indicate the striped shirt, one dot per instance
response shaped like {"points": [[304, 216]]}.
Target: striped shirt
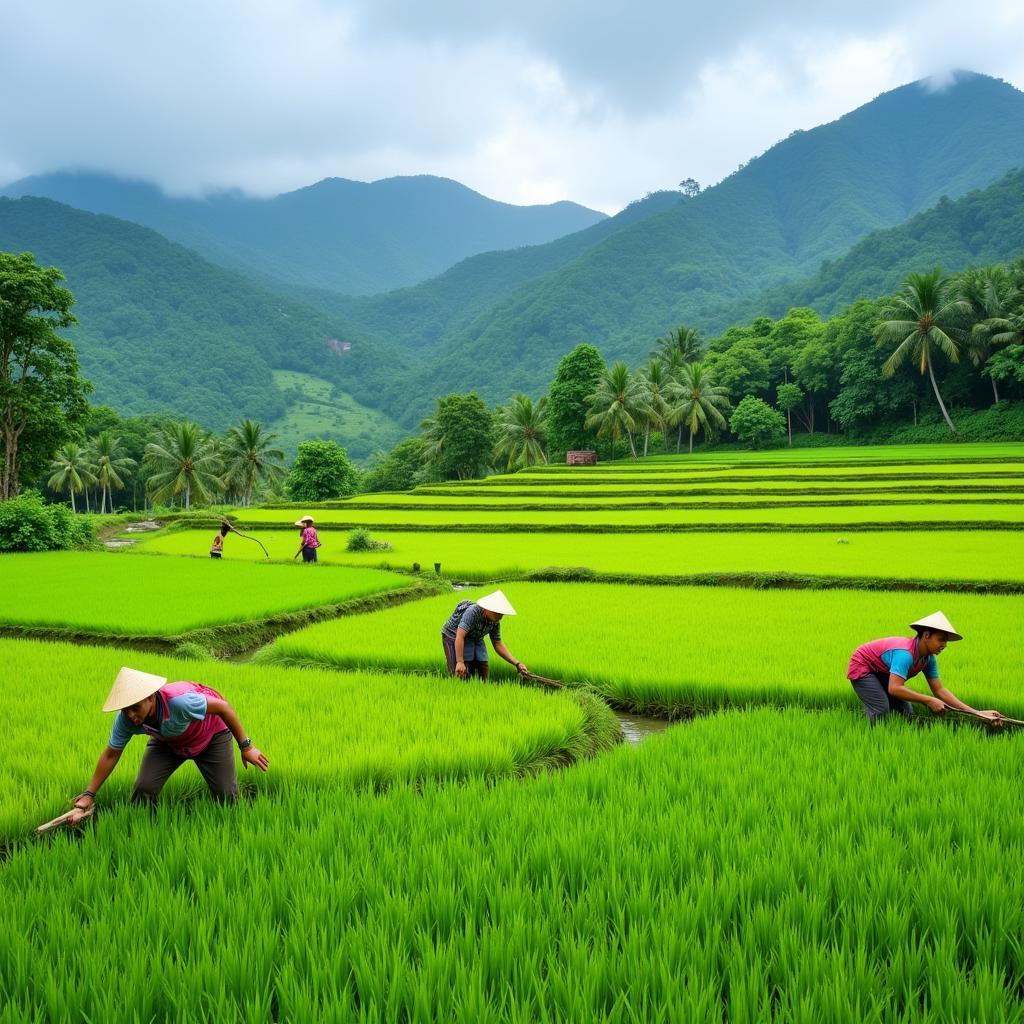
{"points": [[470, 616]]}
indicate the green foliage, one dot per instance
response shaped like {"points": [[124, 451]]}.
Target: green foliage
{"points": [[520, 432], [756, 423], [27, 523], [42, 395], [184, 462], [321, 470], [575, 379], [458, 439], [360, 540], [398, 470]]}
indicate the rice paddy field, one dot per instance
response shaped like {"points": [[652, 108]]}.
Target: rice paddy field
{"points": [[426, 849]]}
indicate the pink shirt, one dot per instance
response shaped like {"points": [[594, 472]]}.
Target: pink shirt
{"points": [[309, 538]]}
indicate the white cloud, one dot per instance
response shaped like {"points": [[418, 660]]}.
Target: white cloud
{"points": [[527, 103]]}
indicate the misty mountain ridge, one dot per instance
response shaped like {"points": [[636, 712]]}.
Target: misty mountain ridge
{"points": [[347, 236]]}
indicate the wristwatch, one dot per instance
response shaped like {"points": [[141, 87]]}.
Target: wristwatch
{"points": [[245, 744]]}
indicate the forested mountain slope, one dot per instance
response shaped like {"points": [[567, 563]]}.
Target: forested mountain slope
{"points": [[808, 199], [162, 330], [985, 226], [350, 236]]}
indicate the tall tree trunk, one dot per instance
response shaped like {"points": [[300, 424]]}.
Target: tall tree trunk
{"points": [[632, 447], [188, 496], [995, 391], [647, 435], [789, 423], [691, 442], [938, 398], [73, 509], [679, 437]]}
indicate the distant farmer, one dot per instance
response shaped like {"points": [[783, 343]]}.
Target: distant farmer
{"points": [[185, 722], [217, 547], [462, 636], [879, 671], [309, 541]]}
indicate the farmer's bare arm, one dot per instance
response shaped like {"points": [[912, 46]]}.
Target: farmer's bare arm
{"points": [[504, 652], [460, 652], [104, 766], [898, 688], [219, 706], [950, 698]]}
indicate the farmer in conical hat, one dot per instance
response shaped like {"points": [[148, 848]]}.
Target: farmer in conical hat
{"points": [[185, 722], [462, 636], [879, 671], [309, 541]]}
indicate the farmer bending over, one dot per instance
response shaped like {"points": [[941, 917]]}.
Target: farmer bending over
{"points": [[309, 541], [185, 722], [462, 636], [217, 545], [879, 671]]}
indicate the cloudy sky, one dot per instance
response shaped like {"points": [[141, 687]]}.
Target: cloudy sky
{"points": [[527, 102]]}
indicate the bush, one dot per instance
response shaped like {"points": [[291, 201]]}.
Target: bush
{"points": [[360, 540], [27, 523]]}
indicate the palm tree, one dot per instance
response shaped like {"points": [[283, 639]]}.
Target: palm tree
{"points": [[698, 401], [995, 304], [72, 471], [521, 432], [615, 404], [250, 459], [680, 346], [111, 462], [924, 321], [656, 381], [183, 460]]}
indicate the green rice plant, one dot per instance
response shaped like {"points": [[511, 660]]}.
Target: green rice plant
{"points": [[748, 866], [672, 650], [97, 592], [953, 556], [319, 729]]}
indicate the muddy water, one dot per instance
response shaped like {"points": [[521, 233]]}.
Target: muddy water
{"points": [[636, 728]]}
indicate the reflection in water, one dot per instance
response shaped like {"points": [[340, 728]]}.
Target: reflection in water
{"points": [[636, 728]]}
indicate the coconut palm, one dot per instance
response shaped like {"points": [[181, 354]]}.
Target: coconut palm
{"points": [[72, 471], [615, 405], [183, 461], [521, 432], [657, 382], [110, 465], [680, 346], [992, 300], [249, 459], [924, 321], [697, 401]]}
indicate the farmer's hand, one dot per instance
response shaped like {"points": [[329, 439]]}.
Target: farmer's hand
{"points": [[992, 717], [460, 669], [82, 806], [936, 706], [522, 669], [255, 756]]}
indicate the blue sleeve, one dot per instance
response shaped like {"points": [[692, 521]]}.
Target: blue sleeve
{"points": [[899, 662], [122, 732], [469, 617], [931, 668], [496, 634], [187, 707]]}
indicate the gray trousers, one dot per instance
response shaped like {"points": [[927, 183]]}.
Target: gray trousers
{"points": [[874, 695], [216, 764]]}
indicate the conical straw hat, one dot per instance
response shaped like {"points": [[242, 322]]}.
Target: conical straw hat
{"points": [[303, 520], [937, 621], [496, 602], [131, 686]]}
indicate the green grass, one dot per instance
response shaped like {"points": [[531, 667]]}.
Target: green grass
{"points": [[949, 555], [668, 650], [747, 867], [99, 592], [321, 730], [883, 514]]}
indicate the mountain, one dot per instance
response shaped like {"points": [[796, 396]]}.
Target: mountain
{"points": [[985, 226], [806, 200], [348, 236], [163, 330]]}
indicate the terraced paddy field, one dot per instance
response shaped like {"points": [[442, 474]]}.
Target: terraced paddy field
{"points": [[751, 866], [424, 849], [103, 593], [954, 558], [675, 650]]}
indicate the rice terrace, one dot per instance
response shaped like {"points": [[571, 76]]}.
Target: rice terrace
{"points": [[511, 515]]}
